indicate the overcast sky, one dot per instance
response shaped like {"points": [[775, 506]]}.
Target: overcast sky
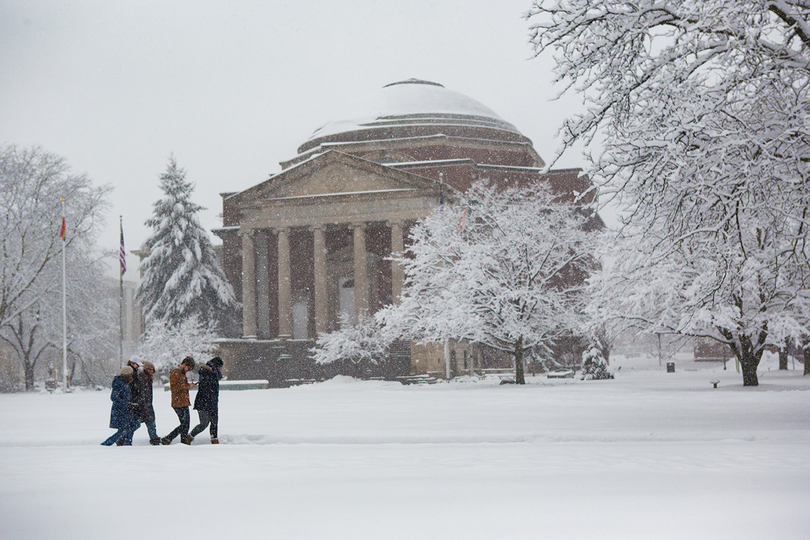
{"points": [[232, 88]]}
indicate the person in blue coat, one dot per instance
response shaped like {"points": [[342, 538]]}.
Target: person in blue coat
{"points": [[122, 415], [207, 401]]}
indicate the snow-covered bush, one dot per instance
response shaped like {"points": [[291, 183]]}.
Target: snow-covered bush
{"points": [[359, 345], [594, 365], [165, 346]]}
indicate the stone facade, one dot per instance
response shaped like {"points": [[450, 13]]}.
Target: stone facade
{"points": [[308, 249]]}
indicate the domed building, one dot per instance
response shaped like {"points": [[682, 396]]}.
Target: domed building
{"points": [[307, 250]]}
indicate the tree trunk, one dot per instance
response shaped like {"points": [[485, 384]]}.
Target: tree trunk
{"points": [[807, 360], [29, 376], [748, 353], [783, 356], [749, 364], [519, 376]]}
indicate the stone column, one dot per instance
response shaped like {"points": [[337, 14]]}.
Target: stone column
{"points": [[319, 260], [397, 271], [361, 304], [284, 285], [248, 285], [262, 283]]}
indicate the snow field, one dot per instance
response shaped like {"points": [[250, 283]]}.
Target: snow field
{"points": [[647, 455]]}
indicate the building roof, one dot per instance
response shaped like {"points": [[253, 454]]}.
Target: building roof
{"points": [[414, 107]]}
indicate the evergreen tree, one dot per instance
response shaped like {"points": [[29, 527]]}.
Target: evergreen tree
{"points": [[182, 278], [594, 365]]}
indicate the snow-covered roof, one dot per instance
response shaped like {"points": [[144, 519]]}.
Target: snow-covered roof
{"points": [[413, 102]]}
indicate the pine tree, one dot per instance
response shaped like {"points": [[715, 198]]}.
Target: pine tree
{"points": [[182, 279]]}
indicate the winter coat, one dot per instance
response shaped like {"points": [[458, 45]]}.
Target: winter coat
{"points": [[121, 415], [179, 386], [136, 391], [208, 389], [146, 413]]}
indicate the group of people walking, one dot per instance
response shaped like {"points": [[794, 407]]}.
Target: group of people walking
{"points": [[132, 401]]}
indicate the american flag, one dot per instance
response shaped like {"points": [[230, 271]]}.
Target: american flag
{"points": [[63, 229], [122, 254]]}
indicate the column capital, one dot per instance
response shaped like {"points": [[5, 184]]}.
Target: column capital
{"points": [[395, 223], [360, 225], [247, 232], [277, 230], [317, 227]]}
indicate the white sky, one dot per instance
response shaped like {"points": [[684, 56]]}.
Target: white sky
{"points": [[232, 88]]}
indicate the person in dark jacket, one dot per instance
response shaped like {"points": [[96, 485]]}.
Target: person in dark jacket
{"points": [[146, 413], [133, 387], [207, 401], [122, 417]]}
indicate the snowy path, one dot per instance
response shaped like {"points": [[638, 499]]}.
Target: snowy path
{"points": [[649, 455]]}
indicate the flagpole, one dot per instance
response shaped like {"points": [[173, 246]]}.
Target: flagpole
{"points": [[64, 303], [441, 191], [121, 295]]}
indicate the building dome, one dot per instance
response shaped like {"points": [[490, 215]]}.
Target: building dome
{"points": [[413, 108]]}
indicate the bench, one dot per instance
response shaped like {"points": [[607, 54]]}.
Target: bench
{"points": [[298, 382], [561, 374], [258, 384], [417, 379], [715, 383]]}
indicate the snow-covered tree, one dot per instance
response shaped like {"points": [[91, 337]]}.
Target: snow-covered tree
{"points": [[503, 267], [357, 345], [166, 346], [182, 278], [36, 333], [702, 111], [33, 183], [594, 365], [92, 318]]}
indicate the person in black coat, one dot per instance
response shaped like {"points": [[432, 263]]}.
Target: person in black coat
{"points": [[207, 401], [146, 412], [122, 416]]}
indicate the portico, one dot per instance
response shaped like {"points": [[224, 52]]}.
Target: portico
{"points": [[315, 253]]}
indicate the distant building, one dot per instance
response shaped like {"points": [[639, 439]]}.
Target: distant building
{"points": [[308, 247]]}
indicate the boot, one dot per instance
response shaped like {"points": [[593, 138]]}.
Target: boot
{"points": [[154, 442], [165, 440], [214, 441], [188, 440], [119, 442]]}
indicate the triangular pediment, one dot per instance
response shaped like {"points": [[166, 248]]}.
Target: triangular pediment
{"points": [[334, 174]]}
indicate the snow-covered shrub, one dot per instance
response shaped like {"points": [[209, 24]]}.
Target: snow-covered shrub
{"points": [[166, 346], [594, 365], [358, 346]]}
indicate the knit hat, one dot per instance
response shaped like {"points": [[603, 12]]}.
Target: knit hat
{"points": [[216, 362], [148, 365], [126, 371]]}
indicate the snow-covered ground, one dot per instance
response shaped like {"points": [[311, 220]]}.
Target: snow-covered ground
{"points": [[650, 455]]}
